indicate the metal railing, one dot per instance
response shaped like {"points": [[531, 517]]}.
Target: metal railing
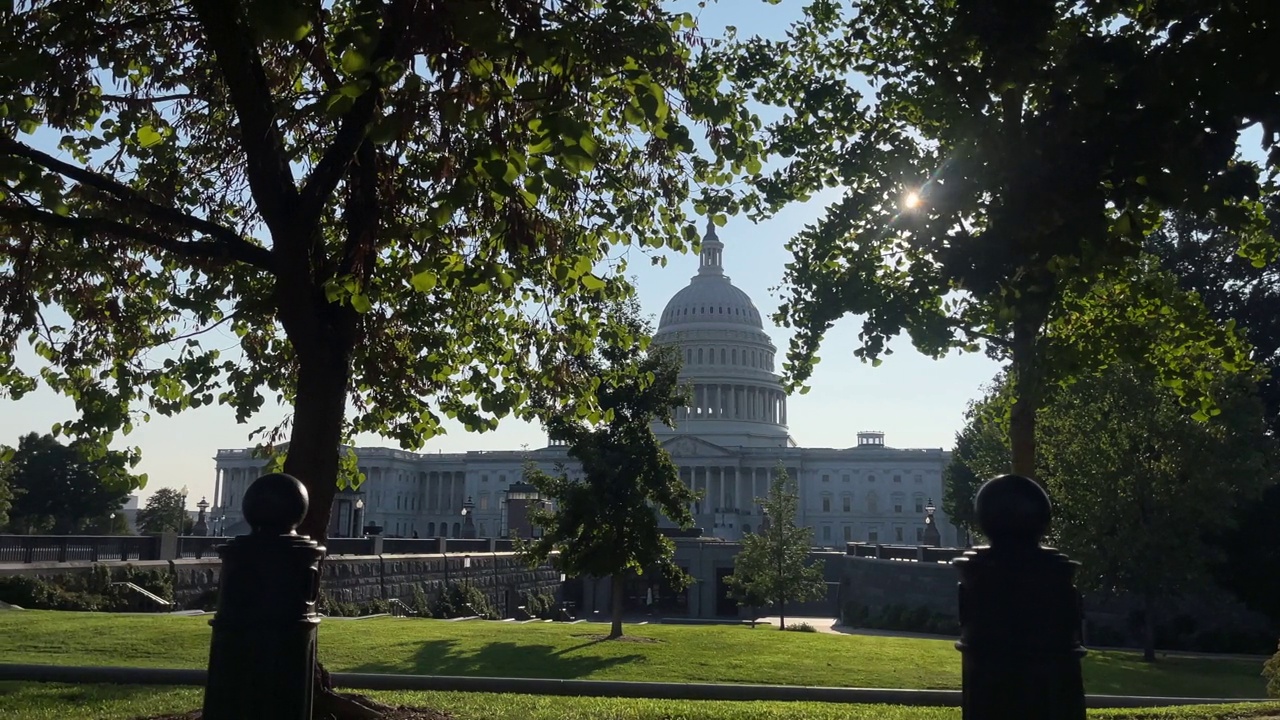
{"points": [[78, 548], [22, 549], [903, 553]]}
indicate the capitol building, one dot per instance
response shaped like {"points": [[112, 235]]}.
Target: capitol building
{"points": [[726, 444]]}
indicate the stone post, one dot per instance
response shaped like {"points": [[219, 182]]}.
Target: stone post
{"points": [[262, 656], [1019, 613]]}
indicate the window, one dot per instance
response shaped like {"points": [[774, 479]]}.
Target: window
{"points": [[897, 507], [431, 529], [457, 530], [484, 501], [484, 478], [848, 533], [873, 535], [502, 479], [919, 534], [919, 505], [721, 356], [897, 534], [826, 504], [897, 478], [397, 502], [872, 504], [919, 479], [871, 478], [826, 532], [845, 478], [826, 478], [482, 531], [734, 355], [846, 503], [746, 529]]}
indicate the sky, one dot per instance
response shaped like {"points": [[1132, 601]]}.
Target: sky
{"points": [[914, 400]]}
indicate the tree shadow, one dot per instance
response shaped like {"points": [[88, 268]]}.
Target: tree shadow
{"points": [[501, 659]]}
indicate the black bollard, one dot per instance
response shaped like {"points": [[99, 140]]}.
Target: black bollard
{"points": [[1020, 613], [262, 657]]}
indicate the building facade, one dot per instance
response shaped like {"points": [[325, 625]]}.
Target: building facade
{"points": [[726, 444]]}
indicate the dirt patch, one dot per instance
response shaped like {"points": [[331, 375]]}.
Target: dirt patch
{"points": [[624, 638]]}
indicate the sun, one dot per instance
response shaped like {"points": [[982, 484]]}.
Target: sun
{"points": [[911, 200]]}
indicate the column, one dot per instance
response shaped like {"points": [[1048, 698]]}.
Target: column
{"points": [[699, 401], [733, 402]]}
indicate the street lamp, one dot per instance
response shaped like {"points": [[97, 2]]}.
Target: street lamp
{"points": [[932, 538], [468, 518], [201, 527], [182, 519], [356, 518]]}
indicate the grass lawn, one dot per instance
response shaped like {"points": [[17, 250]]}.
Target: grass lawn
{"points": [[678, 653], [112, 702]]}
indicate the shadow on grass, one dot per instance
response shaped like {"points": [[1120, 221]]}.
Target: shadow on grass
{"points": [[77, 694], [1122, 673], [502, 659]]}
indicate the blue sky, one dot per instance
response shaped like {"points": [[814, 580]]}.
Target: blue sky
{"points": [[916, 401]]}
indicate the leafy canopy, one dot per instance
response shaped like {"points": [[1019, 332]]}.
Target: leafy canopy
{"points": [[773, 565], [391, 211], [61, 488], [1009, 155], [165, 511]]}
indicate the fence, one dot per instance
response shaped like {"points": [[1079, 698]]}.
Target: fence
{"points": [[903, 553], [18, 549], [84, 548]]}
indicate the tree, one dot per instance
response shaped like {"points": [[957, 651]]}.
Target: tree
{"points": [[1001, 181], [62, 488], [773, 564], [403, 208], [605, 523], [981, 452], [6, 492], [165, 511], [1139, 487]]}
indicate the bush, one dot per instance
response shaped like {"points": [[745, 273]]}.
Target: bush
{"points": [[92, 591], [801, 627], [900, 618], [540, 604], [418, 601], [462, 600], [1271, 671]]}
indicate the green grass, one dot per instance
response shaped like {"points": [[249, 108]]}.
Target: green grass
{"points": [[20, 701], [681, 654]]}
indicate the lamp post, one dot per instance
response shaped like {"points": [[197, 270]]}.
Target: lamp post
{"points": [[468, 519], [357, 530], [932, 538], [201, 526], [182, 519]]}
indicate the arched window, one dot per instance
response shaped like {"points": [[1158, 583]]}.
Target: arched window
{"points": [[734, 355], [826, 504], [482, 531], [699, 356], [872, 503], [721, 356], [457, 530], [431, 529]]}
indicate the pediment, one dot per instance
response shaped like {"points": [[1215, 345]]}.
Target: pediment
{"points": [[690, 446]]}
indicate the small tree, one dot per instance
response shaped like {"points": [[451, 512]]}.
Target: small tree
{"points": [[981, 452], [6, 492], [772, 565], [164, 511], [605, 523]]}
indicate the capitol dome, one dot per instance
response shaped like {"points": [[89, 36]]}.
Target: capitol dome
{"points": [[738, 400]]}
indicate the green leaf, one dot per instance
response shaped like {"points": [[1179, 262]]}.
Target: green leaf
{"points": [[593, 283], [361, 303], [424, 281], [148, 136], [353, 62]]}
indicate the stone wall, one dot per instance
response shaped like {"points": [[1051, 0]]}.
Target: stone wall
{"points": [[350, 578]]}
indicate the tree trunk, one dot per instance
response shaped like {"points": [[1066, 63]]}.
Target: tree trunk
{"points": [[316, 438], [1149, 628], [782, 613], [619, 587]]}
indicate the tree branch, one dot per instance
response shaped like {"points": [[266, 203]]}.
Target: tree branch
{"points": [[195, 249], [237, 246], [270, 179], [333, 165]]}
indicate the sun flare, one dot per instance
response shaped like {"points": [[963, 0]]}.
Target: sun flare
{"points": [[911, 200]]}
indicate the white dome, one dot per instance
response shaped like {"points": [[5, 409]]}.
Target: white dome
{"points": [[728, 359]]}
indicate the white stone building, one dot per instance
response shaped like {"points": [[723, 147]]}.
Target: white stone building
{"points": [[726, 444]]}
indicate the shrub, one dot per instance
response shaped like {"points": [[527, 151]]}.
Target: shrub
{"points": [[421, 606], [92, 591], [801, 627], [1271, 671], [462, 600]]}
